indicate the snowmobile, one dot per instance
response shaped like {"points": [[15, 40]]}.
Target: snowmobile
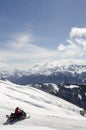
{"points": [[13, 118]]}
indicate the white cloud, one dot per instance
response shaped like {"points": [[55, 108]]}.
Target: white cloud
{"points": [[20, 41], [61, 47], [81, 42], [77, 32], [22, 47], [75, 46], [21, 52]]}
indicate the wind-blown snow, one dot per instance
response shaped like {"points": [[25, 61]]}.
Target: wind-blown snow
{"points": [[47, 112]]}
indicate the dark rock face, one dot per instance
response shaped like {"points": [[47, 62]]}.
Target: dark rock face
{"points": [[57, 78], [75, 95]]}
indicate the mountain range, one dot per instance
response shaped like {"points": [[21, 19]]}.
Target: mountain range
{"points": [[48, 73]]}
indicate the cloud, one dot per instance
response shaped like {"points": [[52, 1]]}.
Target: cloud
{"points": [[78, 32], [20, 51], [20, 41], [22, 46], [75, 46]]}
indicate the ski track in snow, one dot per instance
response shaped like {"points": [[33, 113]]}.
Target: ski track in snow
{"points": [[47, 112]]}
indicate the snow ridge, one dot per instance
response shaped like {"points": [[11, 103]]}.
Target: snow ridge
{"points": [[47, 112]]}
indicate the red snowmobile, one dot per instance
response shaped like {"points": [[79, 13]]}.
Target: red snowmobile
{"points": [[15, 117]]}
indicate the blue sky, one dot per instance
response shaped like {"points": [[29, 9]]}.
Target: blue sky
{"points": [[34, 31]]}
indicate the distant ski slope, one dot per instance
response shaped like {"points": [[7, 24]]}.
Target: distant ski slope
{"points": [[47, 111]]}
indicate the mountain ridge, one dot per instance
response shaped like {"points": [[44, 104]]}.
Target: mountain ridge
{"points": [[47, 73]]}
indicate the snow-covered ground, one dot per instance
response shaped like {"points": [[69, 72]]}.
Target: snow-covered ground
{"points": [[47, 112]]}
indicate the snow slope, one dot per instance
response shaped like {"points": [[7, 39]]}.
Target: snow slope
{"points": [[47, 112]]}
